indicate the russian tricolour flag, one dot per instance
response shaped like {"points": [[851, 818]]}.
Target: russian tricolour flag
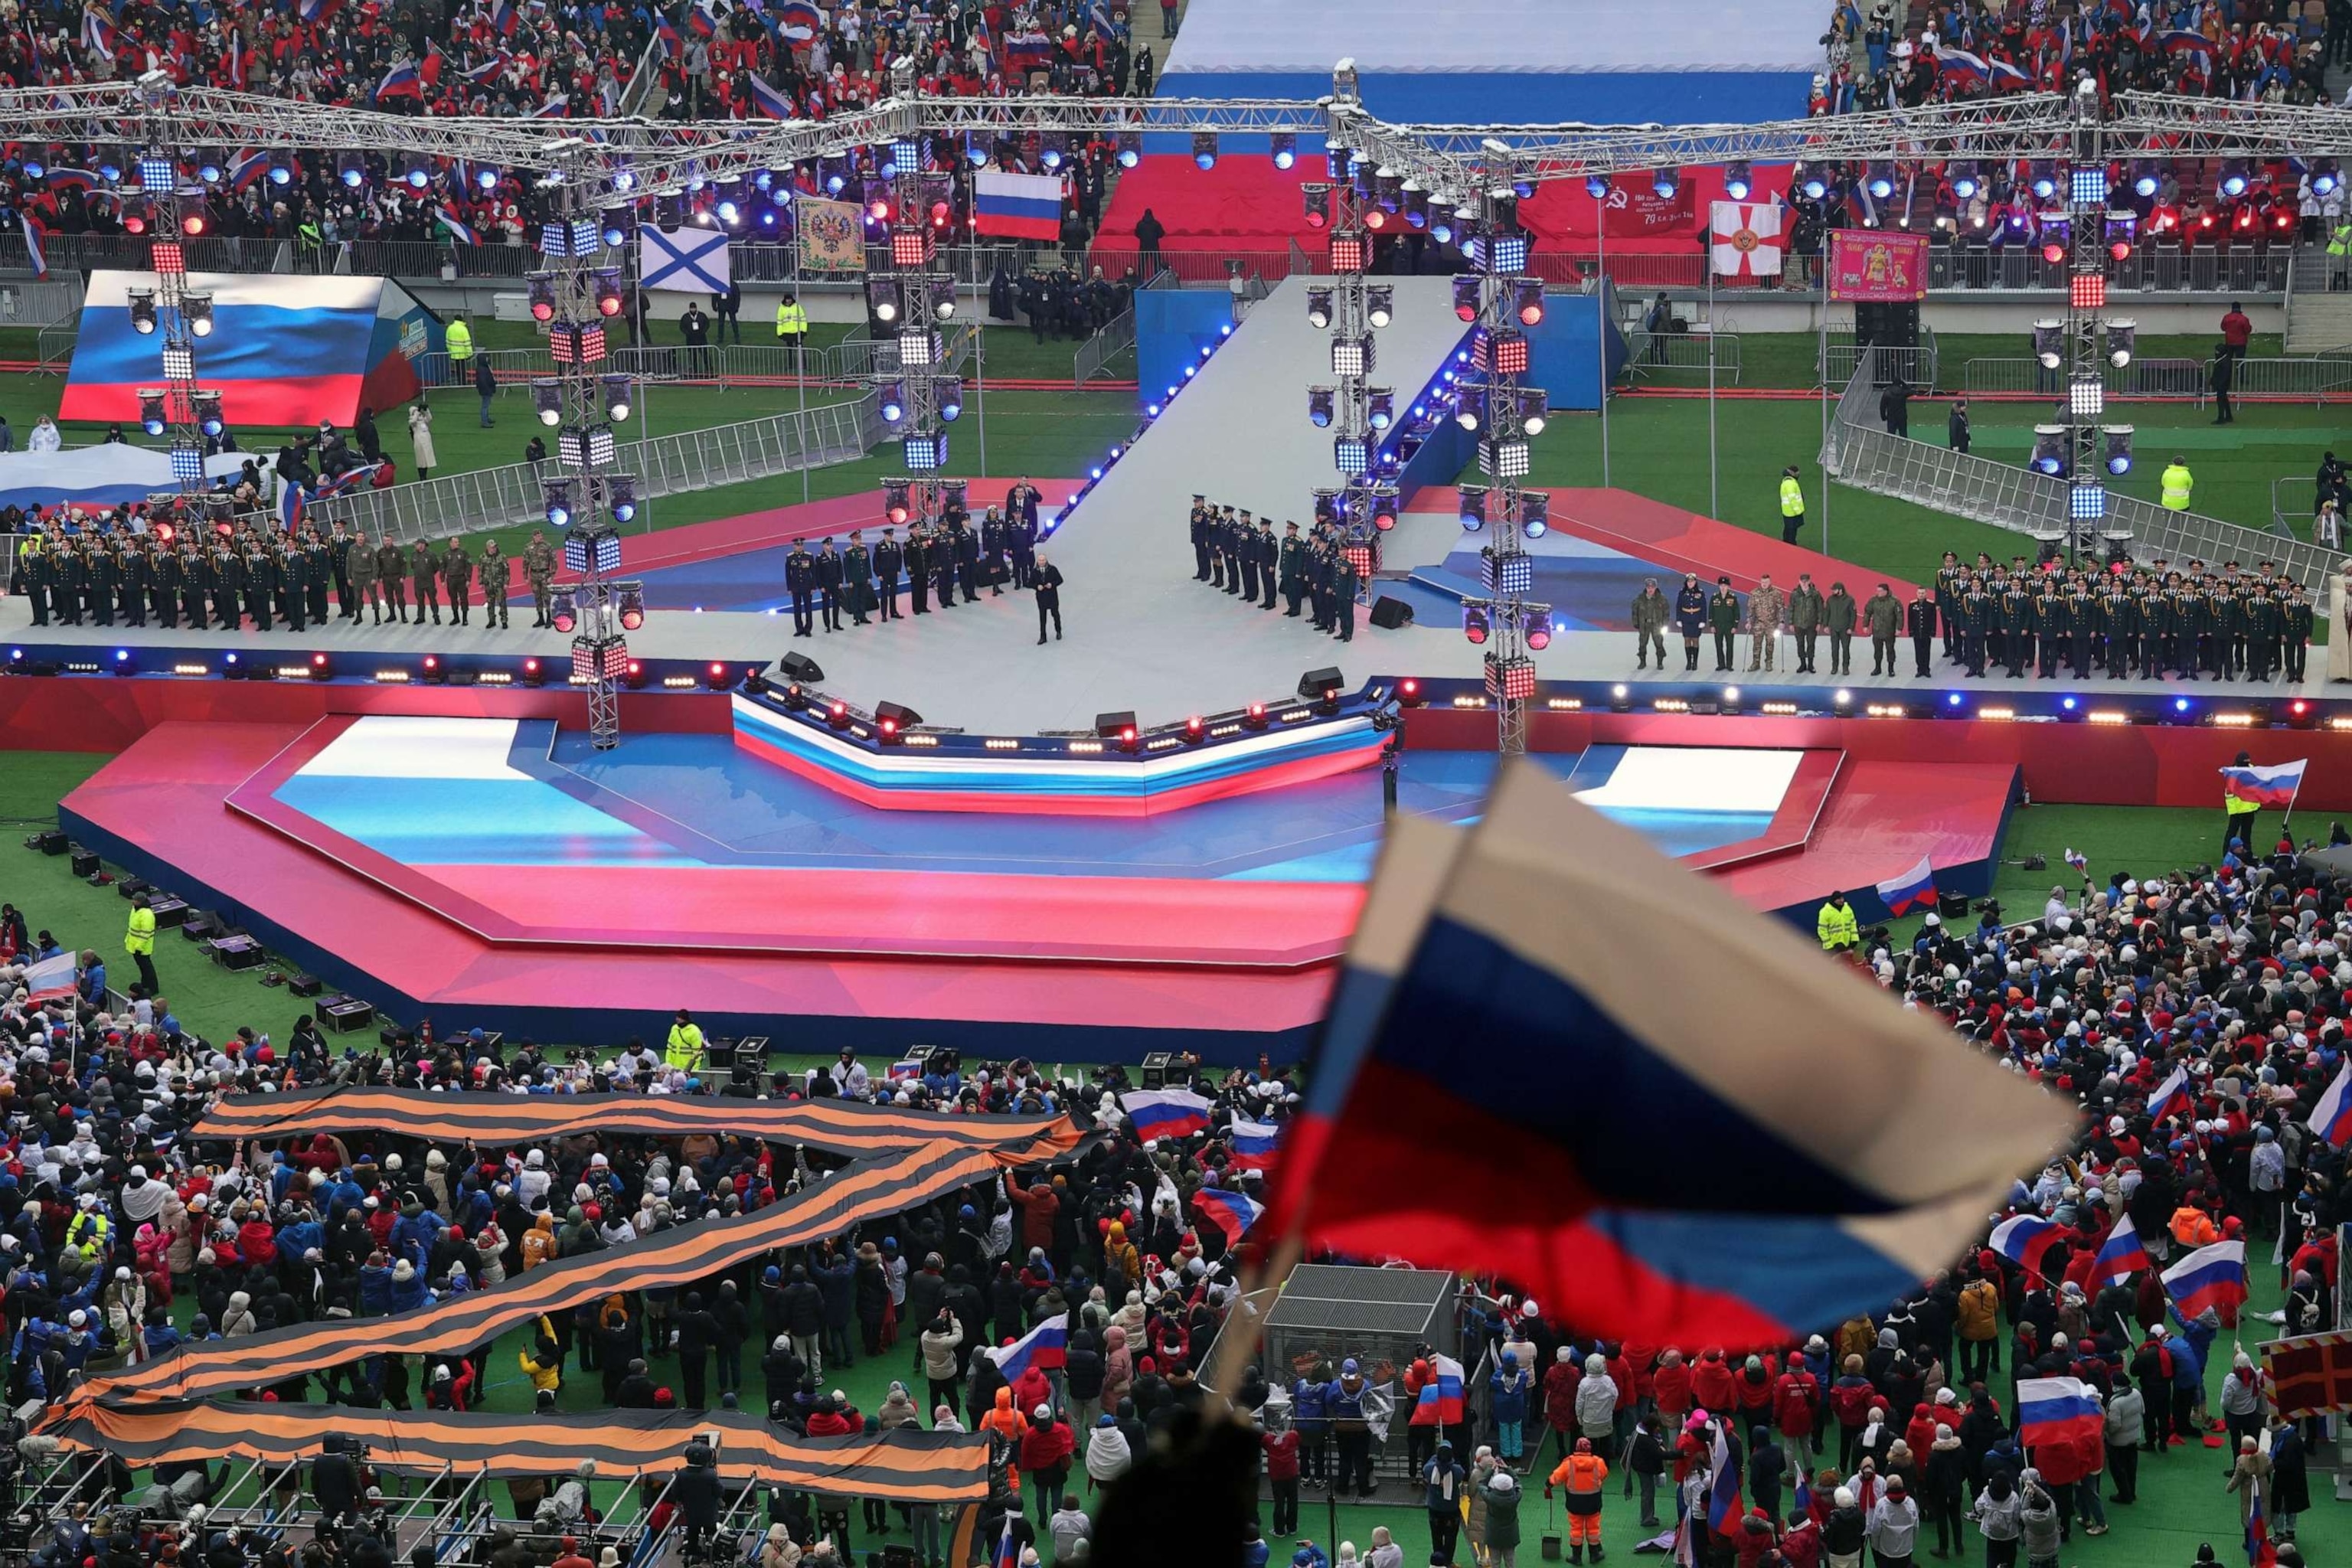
{"points": [[2121, 1256], [2025, 1239], [1722, 1488], [2211, 1276], [1959, 65], [50, 978], [1254, 1144], [2332, 1117], [1044, 1347], [1439, 1403], [2187, 41], [1020, 206], [1229, 1212], [2260, 1552], [401, 81], [769, 101], [795, 20], [2273, 786], [1167, 1112], [2009, 76], [2056, 1410], [1913, 889], [2171, 1097]]}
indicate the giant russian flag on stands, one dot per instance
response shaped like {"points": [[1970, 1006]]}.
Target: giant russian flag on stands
{"points": [[2211, 1276], [1229, 1212], [2332, 1117], [2025, 1240], [1254, 1144], [1166, 1112], [2272, 786], [1045, 1347], [2056, 1410], [285, 352], [1439, 1403], [1536, 931], [2122, 1255], [1020, 206], [2171, 1097], [50, 978], [1912, 889]]}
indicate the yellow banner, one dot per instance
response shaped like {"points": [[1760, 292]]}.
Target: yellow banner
{"points": [[831, 239]]}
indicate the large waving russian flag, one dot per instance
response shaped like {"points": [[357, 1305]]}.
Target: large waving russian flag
{"points": [[1252, 1143], [2122, 1255], [1959, 65], [2056, 1410], [401, 81], [2171, 1097], [1439, 1403], [769, 101], [2211, 1276], [2332, 1117], [1910, 891], [1166, 1112], [2186, 41], [1722, 1487], [2025, 1240], [1046, 1346], [1232, 1213], [2272, 786], [1020, 206], [50, 978], [2007, 75], [795, 20]]}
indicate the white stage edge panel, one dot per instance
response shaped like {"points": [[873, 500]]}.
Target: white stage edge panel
{"points": [[1695, 778], [397, 746]]}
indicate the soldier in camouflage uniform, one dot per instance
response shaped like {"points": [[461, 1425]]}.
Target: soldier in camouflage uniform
{"points": [[539, 565]]}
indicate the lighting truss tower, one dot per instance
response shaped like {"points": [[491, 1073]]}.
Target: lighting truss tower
{"points": [[919, 303], [2091, 444], [1511, 624], [176, 313], [574, 295], [1365, 501]]}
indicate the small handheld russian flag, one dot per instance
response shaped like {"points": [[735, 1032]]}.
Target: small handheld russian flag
{"points": [[2122, 1255], [1910, 891], [2025, 1240], [1045, 1347], [1439, 1403], [2332, 1117], [1166, 1112], [2211, 1276], [2171, 1097], [2056, 1410], [1232, 1213], [1252, 1143]]}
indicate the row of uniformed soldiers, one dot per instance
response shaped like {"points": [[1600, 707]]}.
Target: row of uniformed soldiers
{"points": [[937, 559], [1239, 553], [2146, 620], [262, 574]]}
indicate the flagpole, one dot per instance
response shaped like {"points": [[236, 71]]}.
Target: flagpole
{"points": [[1601, 299], [2287, 824], [800, 356], [1714, 495]]}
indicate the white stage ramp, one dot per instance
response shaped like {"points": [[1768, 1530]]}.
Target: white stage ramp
{"points": [[1143, 636]]}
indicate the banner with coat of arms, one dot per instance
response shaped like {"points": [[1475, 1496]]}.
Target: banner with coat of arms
{"points": [[833, 239], [1744, 239], [1867, 267]]}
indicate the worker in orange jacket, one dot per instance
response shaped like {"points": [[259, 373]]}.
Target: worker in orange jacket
{"points": [[1584, 1474]]}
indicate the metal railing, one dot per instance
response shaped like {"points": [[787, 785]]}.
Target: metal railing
{"points": [[1649, 354], [1917, 366], [2319, 377], [2141, 378], [55, 345], [667, 465], [41, 304], [2294, 501], [641, 79], [1117, 337], [1862, 454]]}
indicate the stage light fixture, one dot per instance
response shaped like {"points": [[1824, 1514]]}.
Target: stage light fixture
{"points": [[1351, 455], [1131, 148], [558, 495], [1467, 412], [1352, 356], [2119, 448], [2086, 398], [1285, 147], [2041, 179], [547, 400], [1501, 459], [142, 310], [1664, 183], [2057, 234], [1880, 181], [943, 300], [893, 402], [1527, 300], [1318, 202], [1467, 297], [563, 610], [1535, 626], [1380, 407], [1321, 401], [1475, 625], [196, 310], [2122, 337], [1318, 308], [1738, 181], [1535, 410], [1473, 508], [1535, 513], [137, 215], [882, 299], [351, 168], [1597, 186], [2087, 502], [417, 169], [2233, 179], [207, 405], [1380, 304], [951, 398], [621, 497], [1384, 507], [609, 297], [1050, 151], [542, 295], [151, 410], [2049, 347], [2049, 449], [632, 609]]}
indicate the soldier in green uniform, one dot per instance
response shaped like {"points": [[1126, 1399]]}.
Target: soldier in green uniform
{"points": [[857, 575], [1649, 614], [1291, 568], [195, 581], [1951, 582], [425, 574], [495, 570], [228, 582], [339, 560], [1723, 620], [33, 573], [1976, 626], [1837, 619], [318, 575], [2235, 618], [164, 583], [2016, 628], [2109, 613], [359, 567], [70, 582], [2053, 618], [294, 583], [2265, 630], [105, 573], [392, 578], [2294, 617], [130, 576], [539, 566], [1343, 595], [458, 578], [1805, 621], [260, 582], [2082, 625], [1882, 617]]}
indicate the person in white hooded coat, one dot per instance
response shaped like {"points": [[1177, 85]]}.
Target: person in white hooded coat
{"points": [[1107, 1454]]}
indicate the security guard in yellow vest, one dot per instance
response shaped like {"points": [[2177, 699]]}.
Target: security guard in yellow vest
{"points": [[2238, 815], [138, 942], [459, 337], [1792, 505], [791, 322], [684, 1051], [1839, 931], [2339, 255], [2177, 484], [87, 1231]]}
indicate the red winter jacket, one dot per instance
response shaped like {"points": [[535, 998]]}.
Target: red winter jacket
{"points": [[1281, 1454], [1851, 1399], [1560, 1384], [1711, 1383], [1671, 1387], [1046, 1448], [1796, 1401]]}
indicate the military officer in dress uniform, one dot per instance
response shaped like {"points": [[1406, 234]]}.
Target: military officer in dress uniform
{"points": [[2294, 617], [195, 581], [966, 552], [800, 581], [228, 583], [318, 575], [858, 576], [828, 584], [392, 574], [992, 551], [260, 582], [347, 597], [164, 583], [919, 569], [1290, 568], [887, 559]]}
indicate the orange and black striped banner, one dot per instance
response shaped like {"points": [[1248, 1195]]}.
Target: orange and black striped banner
{"points": [[905, 1465], [864, 1191], [840, 1126]]}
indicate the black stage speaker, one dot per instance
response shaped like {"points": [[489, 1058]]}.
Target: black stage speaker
{"points": [[900, 714], [84, 862], [299, 983], [1111, 726], [1887, 326], [1390, 613], [1317, 684], [54, 841], [800, 667]]}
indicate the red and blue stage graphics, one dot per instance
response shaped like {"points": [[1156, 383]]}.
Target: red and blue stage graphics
{"points": [[2209, 1277], [2122, 1255], [285, 352], [2057, 1410], [1166, 1112], [2332, 1117], [2271, 787]]}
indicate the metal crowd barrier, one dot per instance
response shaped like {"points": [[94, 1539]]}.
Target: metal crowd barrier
{"points": [[1648, 354], [2159, 377], [1117, 337], [1860, 453], [1918, 366], [2319, 377], [2294, 501]]}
